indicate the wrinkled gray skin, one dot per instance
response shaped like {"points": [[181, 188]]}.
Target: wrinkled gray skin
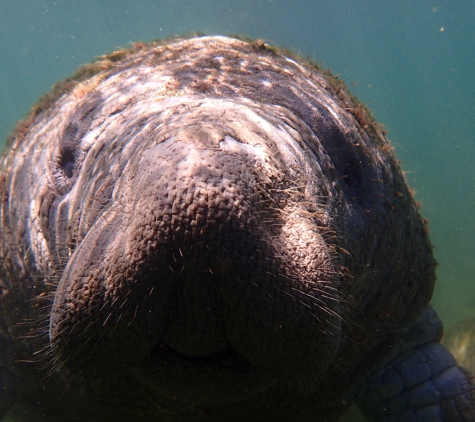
{"points": [[210, 230]]}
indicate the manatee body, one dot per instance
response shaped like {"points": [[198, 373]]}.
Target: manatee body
{"points": [[212, 229]]}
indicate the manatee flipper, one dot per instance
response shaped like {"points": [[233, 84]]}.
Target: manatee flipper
{"points": [[420, 381]]}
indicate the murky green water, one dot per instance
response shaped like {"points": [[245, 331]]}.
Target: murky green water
{"points": [[412, 61]]}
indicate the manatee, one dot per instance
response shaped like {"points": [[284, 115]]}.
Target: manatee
{"points": [[212, 229]]}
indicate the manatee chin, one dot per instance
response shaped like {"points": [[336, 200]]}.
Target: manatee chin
{"points": [[213, 267]]}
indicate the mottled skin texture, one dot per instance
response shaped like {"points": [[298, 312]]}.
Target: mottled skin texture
{"points": [[209, 230]]}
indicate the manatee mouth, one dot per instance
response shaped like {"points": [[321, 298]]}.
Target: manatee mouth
{"points": [[219, 378], [210, 267], [224, 357]]}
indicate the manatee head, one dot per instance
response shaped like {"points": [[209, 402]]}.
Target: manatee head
{"points": [[215, 218]]}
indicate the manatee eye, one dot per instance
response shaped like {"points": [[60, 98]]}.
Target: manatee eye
{"points": [[65, 167], [67, 163], [68, 151], [68, 156]]}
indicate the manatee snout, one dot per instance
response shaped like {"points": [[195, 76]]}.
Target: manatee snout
{"points": [[210, 248]]}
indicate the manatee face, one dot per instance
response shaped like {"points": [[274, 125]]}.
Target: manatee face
{"points": [[210, 248], [213, 219]]}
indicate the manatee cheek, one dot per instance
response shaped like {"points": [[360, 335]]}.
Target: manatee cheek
{"points": [[105, 312]]}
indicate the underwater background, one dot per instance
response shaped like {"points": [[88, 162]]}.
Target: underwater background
{"points": [[411, 61]]}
